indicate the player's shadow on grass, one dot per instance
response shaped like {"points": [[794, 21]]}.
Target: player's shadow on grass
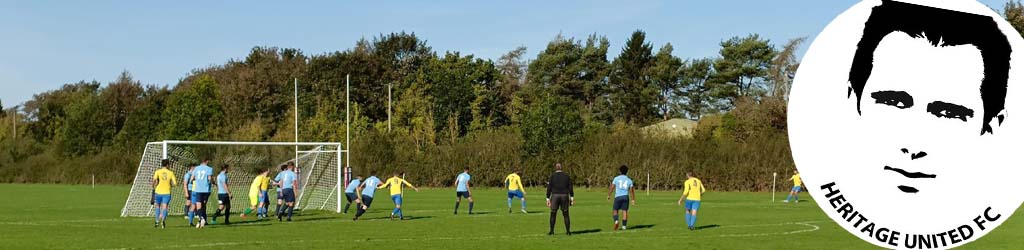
{"points": [[642, 226], [417, 217], [707, 227], [588, 231], [311, 219], [249, 222], [478, 213]]}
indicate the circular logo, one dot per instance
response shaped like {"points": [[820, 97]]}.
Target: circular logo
{"points": [[904, 119]]}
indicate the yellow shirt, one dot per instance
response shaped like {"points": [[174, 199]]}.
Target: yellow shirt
{"points": [[164, 180], [796, 180], [258, 184], [693, 189], [396, 185], [514, 182]]}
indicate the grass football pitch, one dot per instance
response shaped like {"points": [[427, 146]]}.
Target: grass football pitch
{"points": [[82, 217]]}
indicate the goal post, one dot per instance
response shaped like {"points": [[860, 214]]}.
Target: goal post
{"points": [[319, 165]]}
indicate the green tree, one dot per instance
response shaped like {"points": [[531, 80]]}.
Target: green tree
{"points": [[742, 69], [143, 124], [666, 73], [120, 98], [512, 76], [551, 125], [569, 69], [783, 68], [1013, 11], [633, 93], [694, 98], [47, 110], [452, 81], [193, 112], [87, 127]]}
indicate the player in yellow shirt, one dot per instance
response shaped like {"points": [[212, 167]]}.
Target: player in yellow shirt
{"points": [[693, 189], [396, 182], [163, 180], [797, 182], [258, 195], [514, 183]]}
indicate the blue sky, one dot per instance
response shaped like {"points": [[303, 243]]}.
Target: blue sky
{"points": [[51, 43]]}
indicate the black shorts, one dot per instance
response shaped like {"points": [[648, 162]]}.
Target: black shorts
{"points": [[202, 197], [280, 195], [224, 199], [462, 195], [621, 203], [350, 196], [288, 194], [367, 200], [560, 201]]}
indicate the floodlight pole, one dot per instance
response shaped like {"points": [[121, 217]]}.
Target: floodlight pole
{"points": [[14, 121], [296, 94], [389, 107], [348, 148]]}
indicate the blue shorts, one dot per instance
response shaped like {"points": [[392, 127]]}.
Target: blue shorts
{"points": [[691, 204], [266, 198], [397, 199], [621, 203], [795, 189], [163, 199], [288, 194], [515, 194], [461, 194], [350, 196]]}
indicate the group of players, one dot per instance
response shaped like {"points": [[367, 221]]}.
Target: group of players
{"points": [[199, 180]]}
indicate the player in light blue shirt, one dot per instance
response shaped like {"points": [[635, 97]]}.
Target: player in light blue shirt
{"points": [[365, 193], [622, 186], [202, 177], [280, 199], [289, 182], [186, 183], [462, 190], [223, 196], [350, 191]]}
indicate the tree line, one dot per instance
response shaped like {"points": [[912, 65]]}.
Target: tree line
{"points": [[572, 102]]}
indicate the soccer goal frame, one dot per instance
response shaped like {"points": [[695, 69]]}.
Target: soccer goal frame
{"points": [[141, 186]]}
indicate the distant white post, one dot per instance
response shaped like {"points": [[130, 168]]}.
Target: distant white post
{"points": [[774, 175], [648, 182]]}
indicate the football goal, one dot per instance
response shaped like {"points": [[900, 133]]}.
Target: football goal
{"points": [[320, 169]]}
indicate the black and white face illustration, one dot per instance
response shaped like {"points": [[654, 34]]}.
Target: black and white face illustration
{"points": [[899, 122]]}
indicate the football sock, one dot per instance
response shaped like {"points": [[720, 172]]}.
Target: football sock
{"points": [[471, 207]]}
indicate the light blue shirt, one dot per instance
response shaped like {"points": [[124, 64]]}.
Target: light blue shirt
{"points": [[222, 182], [371, 186], [462, 182], [278, 178], [202, 174], [352, 186], [188, 180], [286, 178], [622, 185]]}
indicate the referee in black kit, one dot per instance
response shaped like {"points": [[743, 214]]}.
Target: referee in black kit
{"points": [[560, 196]]}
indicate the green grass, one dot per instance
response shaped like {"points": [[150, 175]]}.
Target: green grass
{"points": [[81, 217]]}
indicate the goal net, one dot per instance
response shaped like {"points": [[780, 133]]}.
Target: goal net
{"points": [[318, 166]]}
